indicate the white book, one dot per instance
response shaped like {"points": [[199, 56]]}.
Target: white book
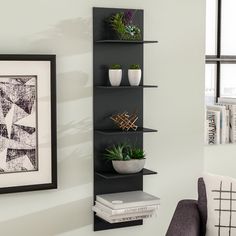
{"points": [[127, 199], [213, 119], [125, 219], [110, 211], [206, 124], [231, 105], [223, 121], [227, 125], [121, 216]]}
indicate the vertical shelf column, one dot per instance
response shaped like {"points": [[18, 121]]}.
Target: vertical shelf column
{"points": [[107, 102]]}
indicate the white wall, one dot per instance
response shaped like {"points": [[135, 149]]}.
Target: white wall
{"points": [[176, 64], [220, 159]]}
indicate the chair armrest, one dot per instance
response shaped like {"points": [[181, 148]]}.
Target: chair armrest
{"points": [[186, 220]]}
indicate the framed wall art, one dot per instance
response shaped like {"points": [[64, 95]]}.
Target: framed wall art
{"points": [[27, 123]]}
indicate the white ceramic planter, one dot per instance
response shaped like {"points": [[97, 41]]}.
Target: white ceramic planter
{"points": [[115, 77], [134, 76], [128, 167]]}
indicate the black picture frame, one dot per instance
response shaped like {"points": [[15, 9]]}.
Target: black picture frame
{"points": [[52, 59]]}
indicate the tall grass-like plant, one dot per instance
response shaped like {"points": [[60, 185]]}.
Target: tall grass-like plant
{"points": [[117, 152], [122, 24]]}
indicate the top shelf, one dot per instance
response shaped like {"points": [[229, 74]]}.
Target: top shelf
{"points": [[126, 87], [126, 41]]}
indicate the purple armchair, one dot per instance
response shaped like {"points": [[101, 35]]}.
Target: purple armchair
{"points": [[190, 216]]}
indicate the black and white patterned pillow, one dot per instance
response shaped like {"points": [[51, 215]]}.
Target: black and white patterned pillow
{"points": [[221, 205]]}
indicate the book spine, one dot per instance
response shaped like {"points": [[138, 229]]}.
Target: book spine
{"points": [[211, 120], [125, 219], [218, 129], [233, 123], [125, 210], [223, 127], [227, 127], [126, 205], [221, 110], [113, 217]]}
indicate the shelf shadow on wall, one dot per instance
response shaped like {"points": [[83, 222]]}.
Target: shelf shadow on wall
{"points": [[75, 169], [52, 221], [68, 37], [72, 86], [74, 132]]}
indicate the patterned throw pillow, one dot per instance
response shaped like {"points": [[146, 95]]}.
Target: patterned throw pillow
{"points": [[221, 205]]}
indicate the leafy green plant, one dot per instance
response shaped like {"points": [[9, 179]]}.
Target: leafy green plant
{"points": [[124, 152], [136, 153], [135, 67], [121, 23], [117, 152], [117, 23], [115, 67]]}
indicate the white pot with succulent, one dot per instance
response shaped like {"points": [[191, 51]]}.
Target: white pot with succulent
{"points": [[134, 75], [115, 75], [126, 159]]}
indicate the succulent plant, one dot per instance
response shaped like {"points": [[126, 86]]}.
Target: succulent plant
{"points": [[124, 152], [135, 67], [115, 67]]}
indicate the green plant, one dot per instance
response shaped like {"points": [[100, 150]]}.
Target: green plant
{"points": [[135, 67], [117, 152], [124, 152], [117, 23], [136, 153], [121, 23], [115, 67]]}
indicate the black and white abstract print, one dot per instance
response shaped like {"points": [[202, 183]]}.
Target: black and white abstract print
{"points": [[18, 124]]}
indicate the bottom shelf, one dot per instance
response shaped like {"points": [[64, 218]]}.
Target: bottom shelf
{"points": [[100, 224], [124, 209]]}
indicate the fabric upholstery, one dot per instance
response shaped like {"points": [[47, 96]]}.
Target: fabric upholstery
{"points": [[186, 220], [202, 204]]}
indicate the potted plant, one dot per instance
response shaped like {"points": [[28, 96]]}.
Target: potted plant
{"points": [[125, 158], [134, 75], [123, 26], [115, 74]]}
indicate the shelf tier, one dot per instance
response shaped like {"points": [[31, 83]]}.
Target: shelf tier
{"points": [[118, 176], [100, 224], [126, 41], [126, 87], [140, 130]]}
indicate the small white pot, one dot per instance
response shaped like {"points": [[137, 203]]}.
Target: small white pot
{"points": [[134, 76], [115, 77], [128, 167]]}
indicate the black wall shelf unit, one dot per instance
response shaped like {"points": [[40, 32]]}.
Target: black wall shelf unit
{"points": [[109, 100]]}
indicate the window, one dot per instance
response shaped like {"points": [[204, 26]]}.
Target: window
{"points": [[220, 78]]}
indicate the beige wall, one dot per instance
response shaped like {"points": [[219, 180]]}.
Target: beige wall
{"points": [[176, 64], [220, 159]]}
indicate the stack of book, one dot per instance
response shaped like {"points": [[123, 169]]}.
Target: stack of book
{"points": [[220, 126], [126, 206]]}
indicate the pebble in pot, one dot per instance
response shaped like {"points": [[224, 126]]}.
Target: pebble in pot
{"points": [[115, 75], [134, 75]]}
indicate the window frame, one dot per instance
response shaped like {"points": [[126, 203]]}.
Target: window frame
{"points": [[219, 59]]}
